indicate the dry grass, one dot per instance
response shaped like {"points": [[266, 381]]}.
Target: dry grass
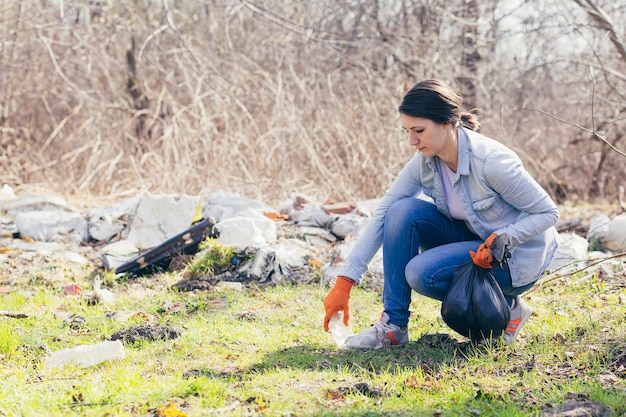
{"points": [[105, 99]]}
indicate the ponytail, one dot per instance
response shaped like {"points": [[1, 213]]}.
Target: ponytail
{"points": [[435, 100], [470, 121]]}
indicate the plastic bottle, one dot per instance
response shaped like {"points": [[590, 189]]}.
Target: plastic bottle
{"points": [[87, 355], [338, 330]]}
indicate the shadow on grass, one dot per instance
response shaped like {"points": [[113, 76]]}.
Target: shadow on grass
{"points": [[431, 351]]}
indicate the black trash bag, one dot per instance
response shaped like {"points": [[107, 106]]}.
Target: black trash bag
{"points": [[475, 306]]}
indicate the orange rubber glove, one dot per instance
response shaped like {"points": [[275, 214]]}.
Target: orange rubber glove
{"points": [[483, 256], [338, 299]]}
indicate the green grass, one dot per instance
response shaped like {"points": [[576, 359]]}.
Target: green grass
{"points": [[262, 352]]}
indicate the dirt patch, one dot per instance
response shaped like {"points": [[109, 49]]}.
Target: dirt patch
{"points": [[579, 409], [146, 332]]}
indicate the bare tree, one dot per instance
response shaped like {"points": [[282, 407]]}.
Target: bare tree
{"points": [[273, 98]]}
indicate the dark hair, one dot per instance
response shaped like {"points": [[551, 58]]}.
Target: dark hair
{"points": [[435, 100]]}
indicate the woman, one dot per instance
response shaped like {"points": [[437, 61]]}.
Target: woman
{"points": [[462, 196]]}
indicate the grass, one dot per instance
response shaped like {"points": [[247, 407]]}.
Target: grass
{"points": [[262, 352]]}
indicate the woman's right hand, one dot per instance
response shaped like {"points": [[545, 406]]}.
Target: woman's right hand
{"points": [[338, 299]]}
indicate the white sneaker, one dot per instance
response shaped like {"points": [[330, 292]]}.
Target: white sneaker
{"points": [[381, 334], [519, 316]]}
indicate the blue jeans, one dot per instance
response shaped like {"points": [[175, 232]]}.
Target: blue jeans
{"points": [[421, 250]]}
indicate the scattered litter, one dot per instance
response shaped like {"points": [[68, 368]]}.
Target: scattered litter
{"points": [[72, 289], [160, 257], [571, 253], [608, 233], [159, 218], [101, 295], [146, 332], [86, 355], [262, 265], [52, 226], [298, 241], [248, 228], [338, 330], [113, 221]]}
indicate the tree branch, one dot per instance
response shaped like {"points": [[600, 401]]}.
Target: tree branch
{"points": [[593, 133], [604, 22]]}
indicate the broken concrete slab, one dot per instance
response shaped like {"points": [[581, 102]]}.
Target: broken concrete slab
{"points": [[246, 228], [221, 205], [52, 225], [161, 217], [113, 221]]}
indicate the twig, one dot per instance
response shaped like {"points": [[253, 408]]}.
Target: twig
{"points": [[594, 134], [604, 22], [548, 279], [13, 314], [60, 126], [148, 39]]}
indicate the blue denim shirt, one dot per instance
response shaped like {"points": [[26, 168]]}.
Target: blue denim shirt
{"points": [[497, 194]]}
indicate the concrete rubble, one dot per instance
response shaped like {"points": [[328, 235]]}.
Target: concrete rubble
{"points": [[297, 241]]}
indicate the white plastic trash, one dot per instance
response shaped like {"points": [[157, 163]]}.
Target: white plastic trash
{"points": [[338, 330], [87, 355], [608, 233]]}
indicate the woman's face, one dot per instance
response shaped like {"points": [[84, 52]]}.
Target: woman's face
{"points": [[426, 136]]}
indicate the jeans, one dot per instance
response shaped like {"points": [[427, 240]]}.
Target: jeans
{"points": [[421, 249]]}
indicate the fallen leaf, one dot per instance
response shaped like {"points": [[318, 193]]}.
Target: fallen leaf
{"points": [[559, 338], [334, 395], [314, 263], [338, 208], [72, 289], [276, 216], [4, 249], [412, 382], [170, 410]]}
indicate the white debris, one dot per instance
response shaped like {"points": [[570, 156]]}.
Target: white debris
{"points": [[117, 253], [159, 218], [223, 205], [6, 193], [571, 253], [113, 221], [228, 285], [101, 295], [74, 257], [607, 233], [52, 225], [16, 205], [246, 228], [348, 225]]}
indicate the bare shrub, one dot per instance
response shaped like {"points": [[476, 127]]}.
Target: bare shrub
{"points": [[271, 99]]}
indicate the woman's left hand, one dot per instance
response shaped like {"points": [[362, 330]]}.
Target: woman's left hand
{"points": [[483, 256]]}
